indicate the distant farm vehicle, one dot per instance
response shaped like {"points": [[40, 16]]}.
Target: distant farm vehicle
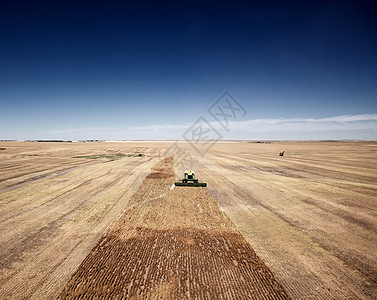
{"points": [[190, 180]]}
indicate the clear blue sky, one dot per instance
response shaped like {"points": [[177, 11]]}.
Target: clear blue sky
{"points": [[115, 70]]}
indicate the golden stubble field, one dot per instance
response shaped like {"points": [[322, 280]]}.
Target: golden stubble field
{"points": [[310, 217], [172, 243]]}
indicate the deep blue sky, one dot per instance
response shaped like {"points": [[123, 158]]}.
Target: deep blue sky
{"points": [[97, 69]]}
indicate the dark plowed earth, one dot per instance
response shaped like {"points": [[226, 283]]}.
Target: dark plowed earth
{"points": [[157, 252]]}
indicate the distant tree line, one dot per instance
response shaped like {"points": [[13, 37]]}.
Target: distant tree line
{"points": [[49, 141]]}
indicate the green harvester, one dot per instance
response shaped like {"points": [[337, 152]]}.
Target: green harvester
{"points": [[190, 180]]}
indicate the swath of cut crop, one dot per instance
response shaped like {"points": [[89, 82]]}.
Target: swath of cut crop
{"points": [[172, 244], [180, 263]]}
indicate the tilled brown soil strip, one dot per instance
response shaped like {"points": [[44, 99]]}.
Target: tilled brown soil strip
{"points": [[172, 244]]}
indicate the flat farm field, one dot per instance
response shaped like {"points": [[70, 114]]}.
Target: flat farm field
{"points": [[87, 220]]}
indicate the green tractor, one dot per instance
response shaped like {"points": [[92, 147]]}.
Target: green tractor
{"points": [[190, 180]]}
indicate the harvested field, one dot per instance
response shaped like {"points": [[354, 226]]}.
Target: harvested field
{"points": [[48, 226], [310, 216], [175, 245]]}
